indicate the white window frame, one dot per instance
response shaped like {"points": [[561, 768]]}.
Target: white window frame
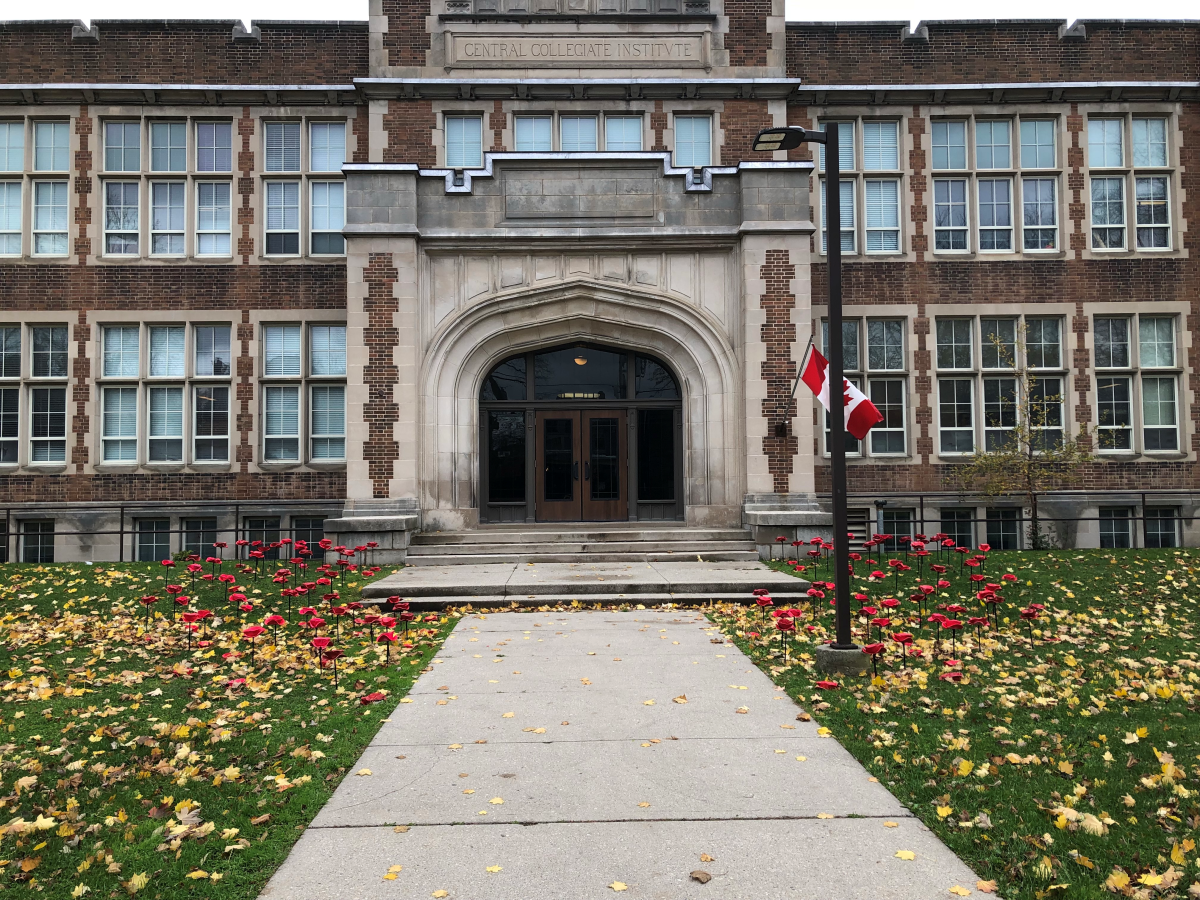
{"points": [[687, 148], [1164, 203], [953, 229], [12, 200], [203, 211], [276, 202], [173, 129], [170, 233], [1011, 227], [118, 350], [624, 120], [60, 133], [326, 129], [275, 432], [122, 230], [12, 146], [955, 406], [849, 208], [219, 128], [578, 142], [316, 422], [321, 220], [52, 210], [283, 140], [1103, 231], [462, 150], [1040, 181], [50, 442], [541, 136], [119, 427], [197, 437], [171, 350]]}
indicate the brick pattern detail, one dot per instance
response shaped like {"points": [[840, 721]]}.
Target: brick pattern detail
{"points": [[175, 487], [658, 124], [244, 390], [162, 52], [778, 334], [83, 184], [496, 122], [989, 51], [245, 185], [1081, 360], [81, 391], [1076, 209], [406, 40], [919, 212], [360, 128], [747, 39], [409, 125], [741, 120], [381, 450], [802, 116]]}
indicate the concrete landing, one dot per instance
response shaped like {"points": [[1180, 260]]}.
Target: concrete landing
{"points": [[550, 745], [539, 583]]}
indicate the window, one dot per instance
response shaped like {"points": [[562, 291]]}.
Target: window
{"points": [[578, 133], [1114, 425], [995, 214], [998, 343], [1115, 399], [1037, 144], [10, 351], [1040, 213], [1160, 426], [282, 356], [168, 146], [121, 218], [199, 535], [1043, 343], [119, 425], [328, 218], [212, 219], [214, 147], [1156, 341], [954, 343], [885, 344], [1149, 142], [881, 146], [51, 143], [10, 218], [283, 217], [282, 146], [898, 523], [123, 146], [12, 146], [1004, 528], [846, 208], [327, 146], [121, 352], [1108, 213], [167, 218], [956, 418], [1153, 213], [623, 134], [212, 423], [50, 218], [999, 412], [310, 530], [464, 142], [1112, 342], [50, 351], [37, 539], [887, 438], [328, 352], [1046, 413], [532, 134], [153, 540], [265, 532], [883, 215], [880, 214], [1161, 526], [993, 144], [1105, 146], [693, 141], [1114, 528], [949, 214], [10, 424], [949, 145], [212, 350], [48, 425], [166, 351], [328, 422], [281, 424], [845, 136], [959, 526], [166, 425]]}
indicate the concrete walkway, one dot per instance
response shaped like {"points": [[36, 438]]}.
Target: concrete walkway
{"points": [[533, 746]]}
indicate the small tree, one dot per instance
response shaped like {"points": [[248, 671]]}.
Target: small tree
{"points": [[1026, 451]]}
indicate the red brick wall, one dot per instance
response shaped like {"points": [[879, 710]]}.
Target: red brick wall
{"points": [[155, 487], [360, 128], [778, 334], [81, 392], [245, 185], [970, 52], [83, 184], [381, 449], [406, 40], [741, 120], [159, 52], [409, 126], [747, 40]]}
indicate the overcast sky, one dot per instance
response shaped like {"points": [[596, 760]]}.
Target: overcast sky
{"points": [[847, 10]]}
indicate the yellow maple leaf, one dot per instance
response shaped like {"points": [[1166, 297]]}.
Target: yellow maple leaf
{"points": [[985, 887], [496, 800], [495, 868], [647, 703], [682, 698], [1143, 732], [960, 891], [965, 767], [619, 886], [824, 815], [508, 715], [891, 824], [390, 876], [363, 772], [395, 869], [1066, 768], [1117, 881], [1130, 738], [905, 854], [1177, 856], [80, 890], [29, 863], [196, 875], [1151, 879], [944, 811], [439, 894], [823, 732], [137, 882]]}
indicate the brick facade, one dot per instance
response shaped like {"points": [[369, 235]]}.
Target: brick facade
{"points": [[381, 450], [778, 334], [406, 40], [409, 125]]}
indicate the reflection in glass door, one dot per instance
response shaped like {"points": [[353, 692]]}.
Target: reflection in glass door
{"points": [[558, 464], [604, 495]]}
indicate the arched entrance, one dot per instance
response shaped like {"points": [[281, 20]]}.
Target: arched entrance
{"points": [[581, 432]]}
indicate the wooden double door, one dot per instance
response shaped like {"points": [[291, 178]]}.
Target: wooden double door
{"points": [[581, 465]]}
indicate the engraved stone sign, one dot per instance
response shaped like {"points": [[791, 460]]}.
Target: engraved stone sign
{"points": [[486, 51], [580, 192]]}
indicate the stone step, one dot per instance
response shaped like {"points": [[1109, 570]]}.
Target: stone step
{"points": [[501, 601], [546, 555], [688, 547], [571, 533]]}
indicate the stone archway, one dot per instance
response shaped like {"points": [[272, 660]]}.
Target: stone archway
{"points": [[466, 346]]}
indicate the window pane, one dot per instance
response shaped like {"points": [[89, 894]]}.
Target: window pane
{"points": [[10, 217], [881, 146], [283, 217], [1115, 414], [464, 142], [1043, 343], [10, 351], [10, 425], [282, 350], [121, 352], [693, 140], [999, 412], [1046, 412], [993, 145], [1161, 527], [48, 425], [950, 145], [1156, 341], [1158, 414], [166, 351], [1153, 213], [532, 134], [846, 209], [281, 423], [122, 146], [328, 350], [950, 213], [1105, 143], [167, 218], [883, 215], [888, 436], [327, 146], [885, 344], [12, 146], [328, 422], [578, 133], [51, 143], [1112, 343], [995, 214], [166, 424], [1037, 144], [121, 217], [850, 362], [50, 352], [212, 219], [956, 418], [119, 425], [998, 343], [214, 147], [283, 146], [168, 146], [212, 423], [1108, 213], [328, 217], [623, 133], [845, 136], [1040, 213], [1149, 142], [954, 343], [212, 350]]}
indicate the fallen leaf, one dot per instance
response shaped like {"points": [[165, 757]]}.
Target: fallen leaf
{"points": [[704, 857], [390, 876], [742, 709], [944, 811], [647, 703], [985, 887], [891, 824], [363, 772], [80, 890], [197, 875], [440, 894], [1066, 768], [643, 804], [824, 815], [682, 698], [801, 758], [495, 868], [395, 869], [496, 800], [508, 715], [960, 891], [400, 829], [905, 854], [619, 886], [29, 863], [701, 876]]}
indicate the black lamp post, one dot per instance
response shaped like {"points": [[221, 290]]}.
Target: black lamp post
{"points": [[788, 138]]}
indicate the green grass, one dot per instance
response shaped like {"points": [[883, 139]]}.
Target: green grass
{"points": [[1066, 768], [137, 764]]}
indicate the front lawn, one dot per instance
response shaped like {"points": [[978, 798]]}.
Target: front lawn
{"points": [[139, 758], [1062, 766]]}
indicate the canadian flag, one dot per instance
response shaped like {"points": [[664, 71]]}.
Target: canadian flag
{"points": [[861, 414]]}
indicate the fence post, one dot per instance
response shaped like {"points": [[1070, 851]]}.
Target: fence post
{"points": [[1143, 518], [121, 538]]}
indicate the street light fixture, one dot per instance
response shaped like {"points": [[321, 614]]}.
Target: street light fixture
{"points": [[788, 138]]}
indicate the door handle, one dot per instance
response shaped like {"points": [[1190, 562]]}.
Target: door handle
{"points": [[575, 472], [587, 471]]}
